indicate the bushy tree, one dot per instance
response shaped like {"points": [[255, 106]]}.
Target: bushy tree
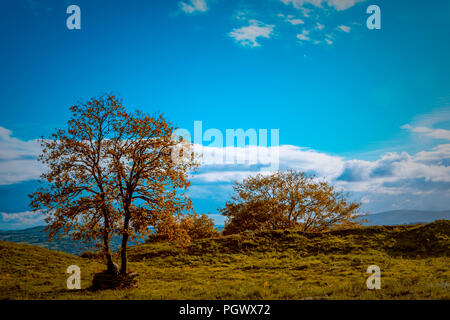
{"points": [[112, 172], [196, 226], [199, 226], [288, 199]]}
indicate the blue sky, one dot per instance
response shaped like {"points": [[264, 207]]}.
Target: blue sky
{"points": [[368, 110]]}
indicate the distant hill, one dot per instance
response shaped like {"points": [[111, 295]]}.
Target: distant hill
{"points": [[396, 217], [38, 236]]}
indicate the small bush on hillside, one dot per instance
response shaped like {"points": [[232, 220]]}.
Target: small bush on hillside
{"points": [[197, 226]]}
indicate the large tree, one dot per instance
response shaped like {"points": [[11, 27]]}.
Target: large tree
{"points": [[149, 178], [77, 195], [288, 199], [113, 173]]}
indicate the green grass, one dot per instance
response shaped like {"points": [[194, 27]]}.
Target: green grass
{"points": [[265, 265]]}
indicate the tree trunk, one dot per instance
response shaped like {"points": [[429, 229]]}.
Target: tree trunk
{"points": [[123, 249], [112, 269], [123, 254], [108, 254]]}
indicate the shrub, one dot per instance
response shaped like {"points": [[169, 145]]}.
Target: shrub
{"points": [[197, 226]]}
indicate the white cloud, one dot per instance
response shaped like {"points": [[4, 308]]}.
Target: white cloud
{"points": [[393, 173], [303, 36], [344, 28], [318, 9], [13, 148], [329, 39], [291, 19], [295, 21], [306, 12], [436, 155], [342, 4], [240, 15], [247, 36], [22, 219], [306, 159], [18, 159], [432, 133], [319, 26], [399, 173], [336, 4], [194, 6], [15, 171], [290, 157]]}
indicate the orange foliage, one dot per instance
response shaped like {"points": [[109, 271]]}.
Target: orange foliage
{"points": [[111, 172], [288, 200]]}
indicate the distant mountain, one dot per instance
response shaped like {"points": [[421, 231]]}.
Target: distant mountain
{"points": [[39, 237], [406, 217]]}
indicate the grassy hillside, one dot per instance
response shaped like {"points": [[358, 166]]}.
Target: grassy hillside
{"points": [[265, 265], [38, 236]]}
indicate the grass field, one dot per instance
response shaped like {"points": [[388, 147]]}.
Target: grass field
{"points": [[266, 265]]}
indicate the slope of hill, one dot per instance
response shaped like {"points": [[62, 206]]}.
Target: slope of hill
{"points": [[406, 217], [38, 236], [265, 265]]}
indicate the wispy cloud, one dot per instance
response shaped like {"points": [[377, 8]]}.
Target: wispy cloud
{"points": [[13, 148], [319, 10], [248, 35], [21, 219], [316, 38], [429, 132], [240, 15], [425, 125], [344, 28], [194, 6], [294, 21], [303, 36], [18, 159], [291, 19], [329, 39], [336, 4], [435, 117]]}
